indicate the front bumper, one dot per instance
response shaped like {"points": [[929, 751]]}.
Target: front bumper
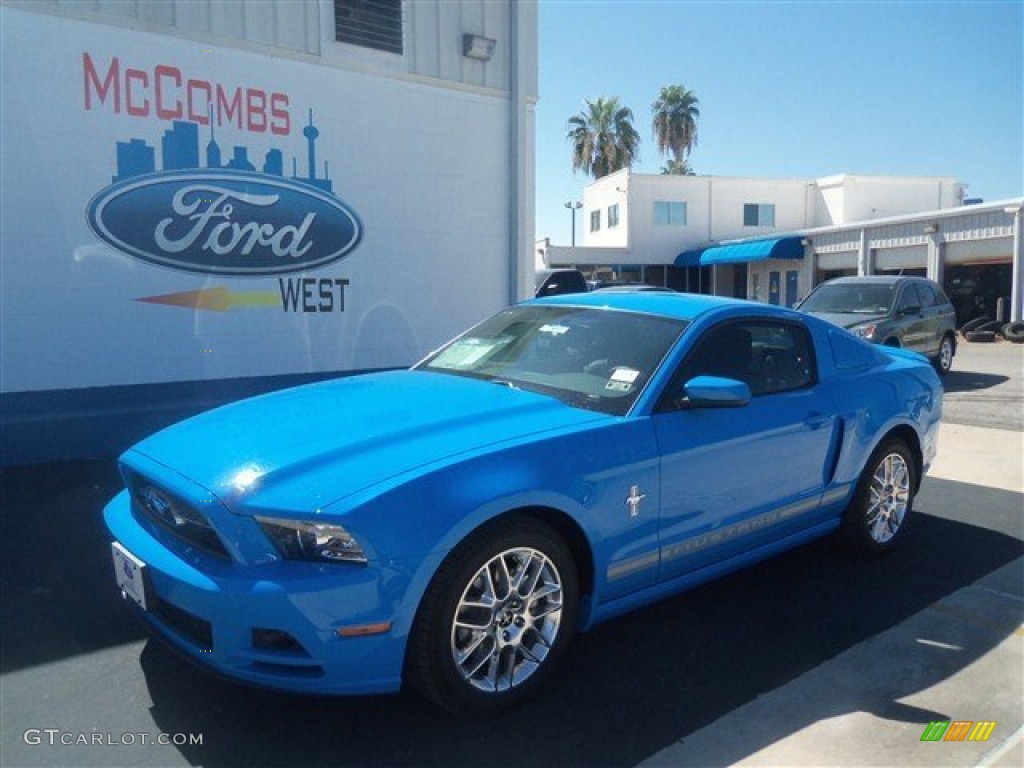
{"points": [[273, 624]]}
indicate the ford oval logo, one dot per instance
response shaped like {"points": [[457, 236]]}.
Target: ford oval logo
{"points": [[224, 222]]}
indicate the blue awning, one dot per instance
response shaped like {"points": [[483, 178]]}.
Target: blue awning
{"points": [[754, 250], [689, 258], [790, 247]]}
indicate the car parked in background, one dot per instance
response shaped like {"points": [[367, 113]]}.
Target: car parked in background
{"points": [[568, 460], [557, 282], [897, 311], [626, 287]]}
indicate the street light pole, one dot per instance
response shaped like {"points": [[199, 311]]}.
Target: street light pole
{"points": [[573, 207]]}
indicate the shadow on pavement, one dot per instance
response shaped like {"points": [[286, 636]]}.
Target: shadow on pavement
{"points": [[55, 567], [970, 381], [628, 689]]}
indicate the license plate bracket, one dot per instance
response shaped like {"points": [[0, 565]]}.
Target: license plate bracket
{"points": [[132, 575]]}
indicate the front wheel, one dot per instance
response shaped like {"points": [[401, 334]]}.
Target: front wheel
{"points": [[944, 360], [878, 512], [496, 618]]}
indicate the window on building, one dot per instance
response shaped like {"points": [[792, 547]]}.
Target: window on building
{"points": [[758, 215], [369, 23], [595, 221], [613, 216], [668, 214]]}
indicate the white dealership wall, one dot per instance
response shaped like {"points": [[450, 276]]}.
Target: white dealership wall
{"points": [[715, 204], [431, 150], [714, 215]]}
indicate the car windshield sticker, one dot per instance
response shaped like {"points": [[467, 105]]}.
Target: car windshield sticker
{"points": [[622, 380], [554, 330], [465, 353]]}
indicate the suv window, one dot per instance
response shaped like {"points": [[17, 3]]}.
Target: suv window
{"points": [[908, 298], [769, 357], [934, 294]]}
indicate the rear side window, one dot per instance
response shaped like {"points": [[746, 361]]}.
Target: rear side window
{"points": [[938, 297], [926, 295]]}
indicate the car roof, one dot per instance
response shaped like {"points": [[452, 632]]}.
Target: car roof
{"points": [[684, 306], [878, 279]]}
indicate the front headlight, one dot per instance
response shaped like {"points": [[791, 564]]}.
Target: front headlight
{"points": [[313, 541], [865, 331]]}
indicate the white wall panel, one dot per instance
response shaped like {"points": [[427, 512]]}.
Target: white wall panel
{"points": [[78, 312]]}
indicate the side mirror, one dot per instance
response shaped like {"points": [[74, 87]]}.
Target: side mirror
{"points": [[715, 392], [913, 309]]}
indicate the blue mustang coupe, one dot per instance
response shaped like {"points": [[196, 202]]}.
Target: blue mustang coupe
{"points": [[566, 461]]}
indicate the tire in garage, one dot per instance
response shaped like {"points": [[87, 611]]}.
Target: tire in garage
{"points": [[995, 326], [1014, 332], [980, 336], [971, 325]]}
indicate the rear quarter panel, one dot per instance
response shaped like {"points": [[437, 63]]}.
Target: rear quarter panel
{"points": [[876, 390]]}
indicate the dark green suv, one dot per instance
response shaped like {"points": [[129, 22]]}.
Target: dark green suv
{"points": [[909, 312]]}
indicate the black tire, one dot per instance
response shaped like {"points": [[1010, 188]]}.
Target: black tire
{"points": [[944, 360], [1014, 332], [995, 326], [518, 641], [980, 336], [970, 325], [874, 521]]}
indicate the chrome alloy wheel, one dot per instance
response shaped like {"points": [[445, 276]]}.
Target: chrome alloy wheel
{"points": [[507, 620], [945, 354], [889, 497]]}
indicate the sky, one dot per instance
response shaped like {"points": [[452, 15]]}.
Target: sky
{"points": [[792, 89]]}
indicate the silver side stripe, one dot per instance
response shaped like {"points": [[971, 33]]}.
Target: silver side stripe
{"points": [[631, 566], [836, 494], [697, 543]]}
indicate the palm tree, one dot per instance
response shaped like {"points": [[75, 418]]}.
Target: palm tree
{"points": [[675, 124], [678, 168], [603, 137]]}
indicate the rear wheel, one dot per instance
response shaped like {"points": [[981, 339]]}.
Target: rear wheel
{"points": [[876, 517], [496, 619]]}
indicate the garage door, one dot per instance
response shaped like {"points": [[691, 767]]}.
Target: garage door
{"points": [[906, 257], [832, 262], [996, 250]]}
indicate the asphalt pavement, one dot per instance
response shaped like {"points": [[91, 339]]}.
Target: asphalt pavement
{"points": [[811, 658]]}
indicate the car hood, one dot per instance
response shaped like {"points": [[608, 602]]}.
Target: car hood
{"points": [[304, 448], [849, 319]]}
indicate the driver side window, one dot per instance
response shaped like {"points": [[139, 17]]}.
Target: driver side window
{"points": [[769, 357]]}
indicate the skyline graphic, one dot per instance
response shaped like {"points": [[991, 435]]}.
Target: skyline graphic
{"points": [[180, 150]]}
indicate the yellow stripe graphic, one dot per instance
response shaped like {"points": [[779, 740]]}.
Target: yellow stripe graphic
{"points": [[216, 299]]}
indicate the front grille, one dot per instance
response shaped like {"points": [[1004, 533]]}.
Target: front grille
{"points": [[174, 515]]}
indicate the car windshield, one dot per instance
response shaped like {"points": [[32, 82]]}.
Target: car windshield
{"points": [[856, 298], [587, 357]]}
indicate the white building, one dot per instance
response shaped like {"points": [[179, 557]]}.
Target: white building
{"points": [[198, 191], [774, 239]]}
